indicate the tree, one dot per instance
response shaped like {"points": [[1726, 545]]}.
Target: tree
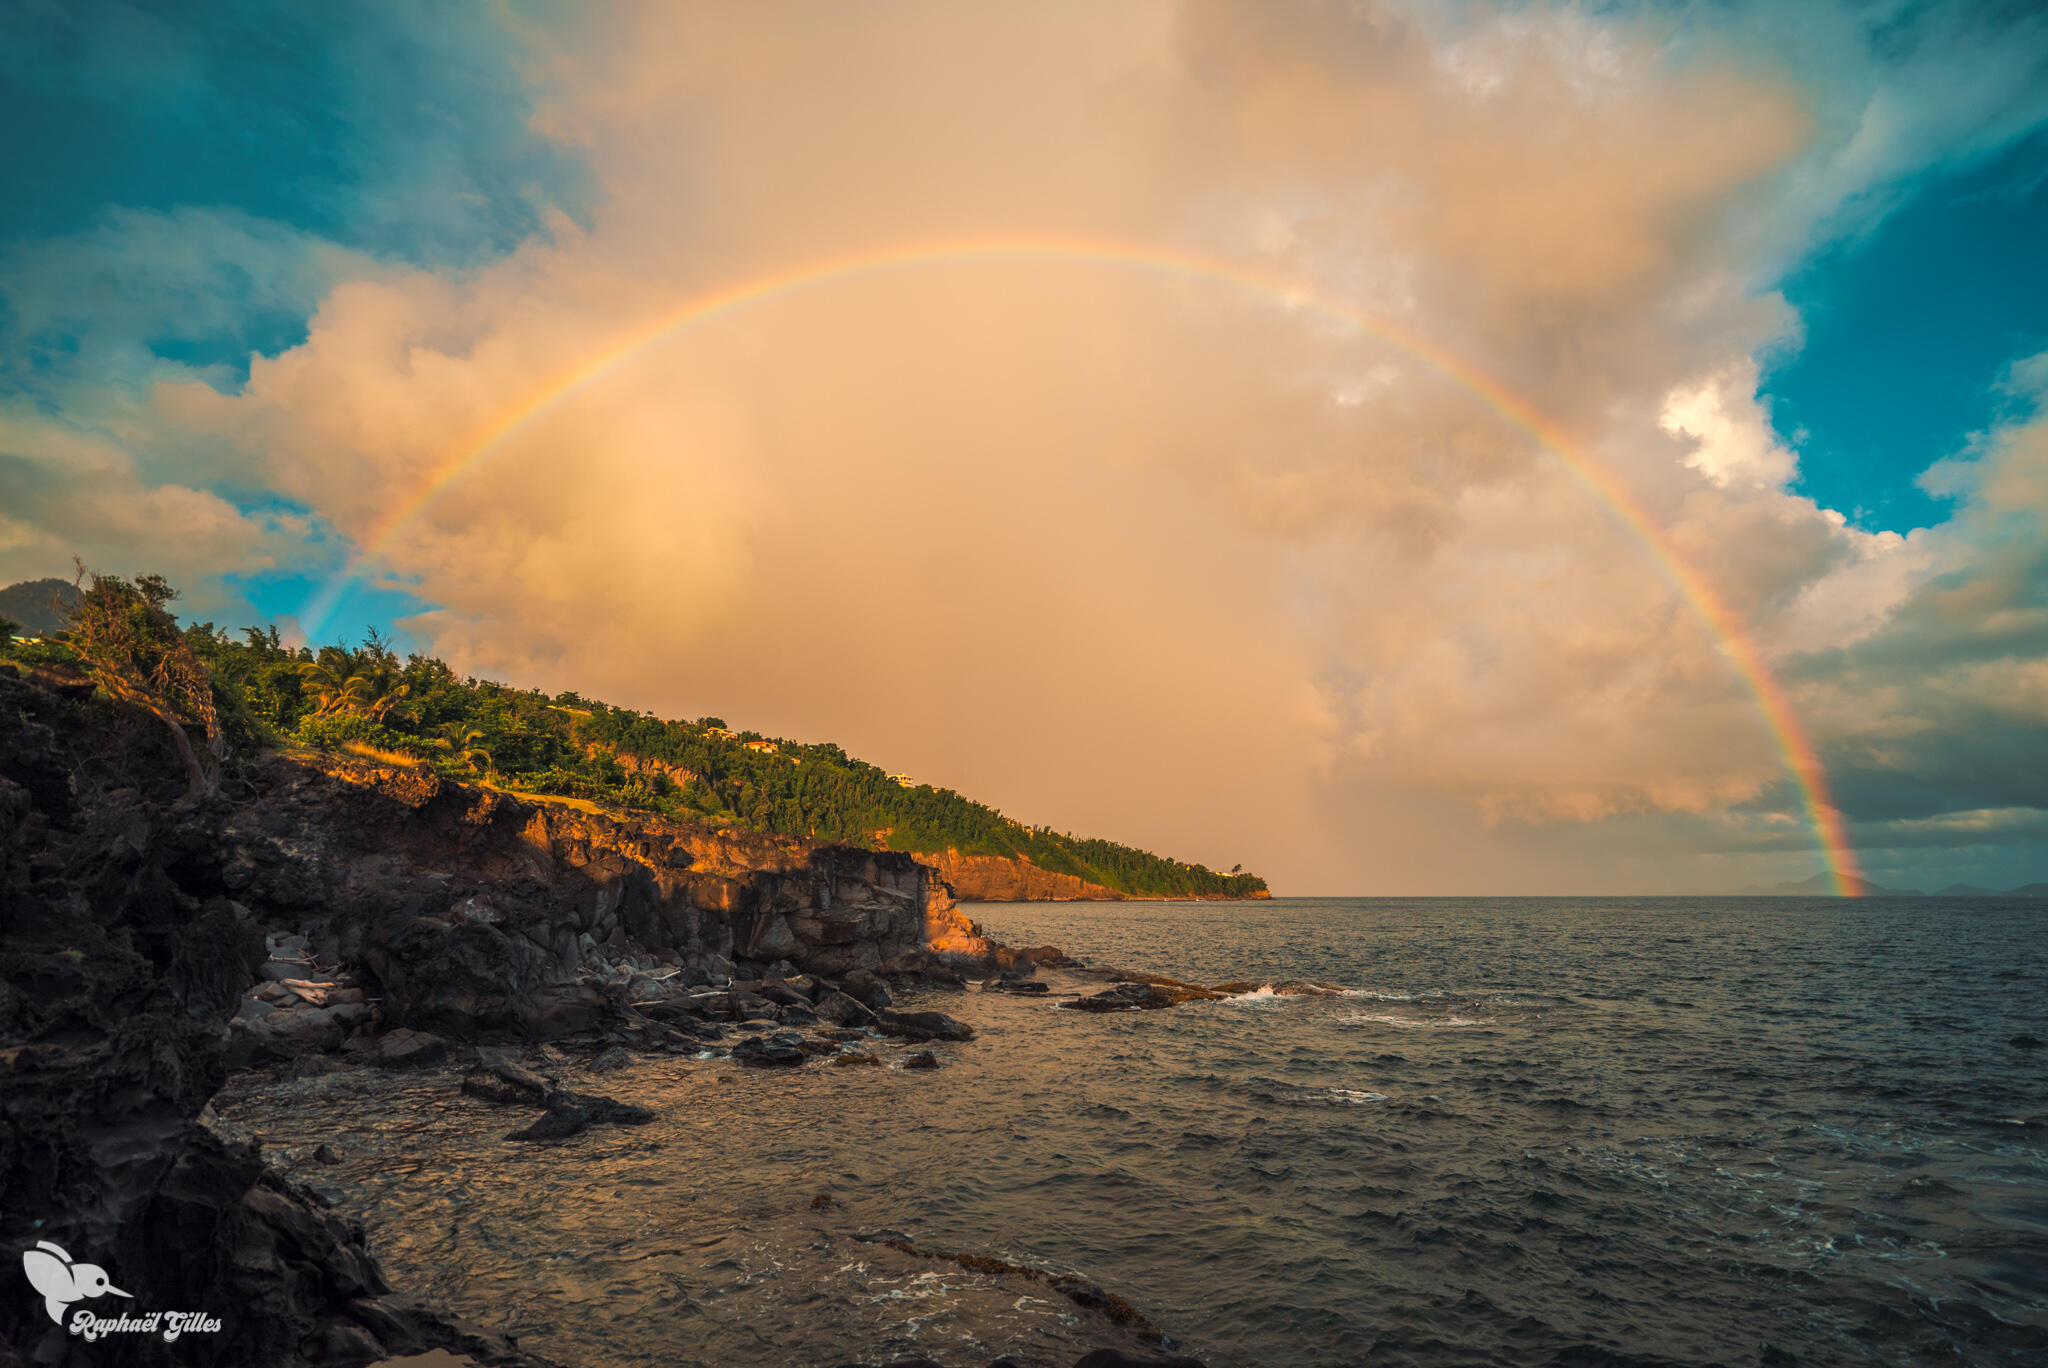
{"points": [[8, 628], [130, 644], [364, 685], [327, 677], [462, 741]]}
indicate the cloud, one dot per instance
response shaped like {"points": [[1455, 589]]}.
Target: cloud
{"points": [[1141, 552]]}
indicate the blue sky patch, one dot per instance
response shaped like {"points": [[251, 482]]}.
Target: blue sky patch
{"points": [[1908, 332]]}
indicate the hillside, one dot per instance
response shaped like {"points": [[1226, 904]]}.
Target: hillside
{"points": [[525, 741], [37, 606]]}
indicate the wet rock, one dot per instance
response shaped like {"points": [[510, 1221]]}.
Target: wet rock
{"points": [[324, 1154], [923, 1059], [843, 1010], [1126, 997], [866, 988], [507, 1084], [561, 1121], [504, 1083], [770, 1052], [919, 1026], [797, 1016], [2024, 1042], [1022, 987], [614, 1058], [856, 1059]]}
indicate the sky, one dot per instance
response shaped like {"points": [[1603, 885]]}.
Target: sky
{"points": [[1404, 448]]}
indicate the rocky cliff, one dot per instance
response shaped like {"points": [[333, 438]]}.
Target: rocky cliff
{"points": [[133, 924], [995, 878], [474, 910]]}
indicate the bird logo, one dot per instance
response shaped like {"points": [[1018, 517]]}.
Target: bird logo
{"points": [[63, 1282]]}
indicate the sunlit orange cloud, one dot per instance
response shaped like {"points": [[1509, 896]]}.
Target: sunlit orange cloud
{"points": [[1225, 573]]}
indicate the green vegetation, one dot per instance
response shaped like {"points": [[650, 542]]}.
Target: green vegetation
{"points": [[269, 694], [124, 636]]}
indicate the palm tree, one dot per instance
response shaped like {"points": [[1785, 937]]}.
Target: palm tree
{"points": [[460, 739], [329, 677], [364, 685]]}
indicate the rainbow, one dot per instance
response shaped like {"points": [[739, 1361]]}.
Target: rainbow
{"points": [[1799, 755]]}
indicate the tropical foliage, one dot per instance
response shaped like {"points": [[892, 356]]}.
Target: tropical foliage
{"points": [[124, 636], [270, 694]]}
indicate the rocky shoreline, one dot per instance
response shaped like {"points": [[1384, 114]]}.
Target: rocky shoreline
{"points": [[330, 914]]}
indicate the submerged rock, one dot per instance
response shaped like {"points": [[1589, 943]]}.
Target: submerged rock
{"points": [[503, 1083]]}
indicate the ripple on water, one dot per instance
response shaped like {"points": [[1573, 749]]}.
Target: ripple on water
{"points": [[1575, 1160]]}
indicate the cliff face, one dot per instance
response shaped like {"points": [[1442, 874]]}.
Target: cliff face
{"points": [[473, 908], [121, 959], [993, 878], [132, 924]]}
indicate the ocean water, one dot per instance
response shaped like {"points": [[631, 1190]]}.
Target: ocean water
{"points": [[1570, 1132]]}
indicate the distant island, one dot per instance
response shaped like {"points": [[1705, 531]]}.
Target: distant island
{"points": [[1823, 886], [371, 702]]}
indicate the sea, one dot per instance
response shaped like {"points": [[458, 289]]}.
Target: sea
{"points": [[1588, 1132]]}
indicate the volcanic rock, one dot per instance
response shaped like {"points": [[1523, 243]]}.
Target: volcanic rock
{"points": [[868, 990], [921, 1026], [770, 1052]]}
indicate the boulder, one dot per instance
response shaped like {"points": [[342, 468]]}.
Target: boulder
{"points": [[405, 1048], [559, 1122], [507, 1084], [923, 1059], [306, 1029], [750, 1006], [770, 1052], [866, 988], [842, 1010], [611, 1060], [920, 1026], [466, 979]]}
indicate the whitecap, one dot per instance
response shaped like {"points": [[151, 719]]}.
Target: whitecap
{"points": [[1412, 1023], [1357, 1097]]}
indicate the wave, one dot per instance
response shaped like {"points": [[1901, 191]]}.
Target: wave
{"points": [[1412, 1023]]}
